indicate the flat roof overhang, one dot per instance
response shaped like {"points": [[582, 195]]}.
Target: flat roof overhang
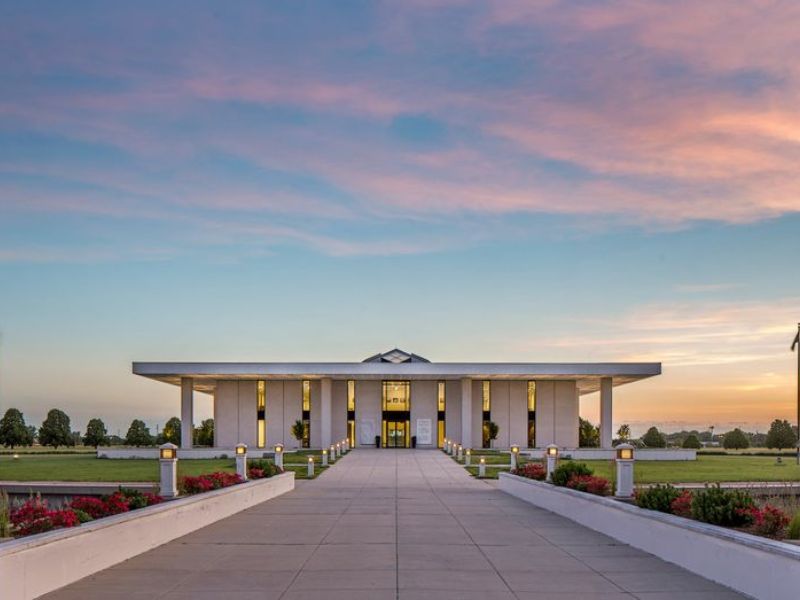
{"points": [[205, 375]]}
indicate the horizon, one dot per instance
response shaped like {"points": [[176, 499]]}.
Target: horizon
{"points": [[564, 182]]}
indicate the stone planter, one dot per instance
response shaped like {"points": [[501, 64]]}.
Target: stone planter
{"points": [[752, 565], [38, 564]]}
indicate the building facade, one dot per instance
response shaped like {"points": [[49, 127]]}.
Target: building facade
{"points": [[396, 399]]}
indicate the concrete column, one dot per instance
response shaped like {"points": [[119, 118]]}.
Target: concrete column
{"points": [[606, 402], [326, 395], [187, 412], [466, 413]]}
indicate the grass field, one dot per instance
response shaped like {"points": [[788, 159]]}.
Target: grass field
{"points": [[82, 467], [704, 469]]}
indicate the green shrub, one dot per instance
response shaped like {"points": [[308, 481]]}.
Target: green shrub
{"points": [[658, 497], [722, 507], [83, 516], [564, 472], [267, 466], [135, 498], [5, 523], [793, 531]]}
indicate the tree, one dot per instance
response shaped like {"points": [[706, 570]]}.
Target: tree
{"points": [[298, 430], [55, 430], [33, 433], [172, 431], [624, 432], [735, 440], [138, 434], [781, 435], [691, 441], [654, 439], [13, 431], [96, 434], [204, 435], [588, 434], [490, 431]]}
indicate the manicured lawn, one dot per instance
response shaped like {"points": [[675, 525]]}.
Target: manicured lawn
{"points": [[708, 468], [704, 469], [80, 467]]}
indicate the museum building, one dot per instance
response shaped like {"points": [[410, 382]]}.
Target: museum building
{"points": [[396, 399]]}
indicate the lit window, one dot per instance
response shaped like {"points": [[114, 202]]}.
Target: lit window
{"points": [[261, 414], [306, 413], [441, 406], [351, 412], [531, 414]]}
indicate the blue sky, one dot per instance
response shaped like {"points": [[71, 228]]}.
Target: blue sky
{"points": [[468, 181]]}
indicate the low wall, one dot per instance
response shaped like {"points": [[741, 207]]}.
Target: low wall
{"points": [[756, 566], [183, 453], [36, 565], [609, 454]]}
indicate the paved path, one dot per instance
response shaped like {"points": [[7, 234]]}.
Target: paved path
{"points": [[388, 524]]}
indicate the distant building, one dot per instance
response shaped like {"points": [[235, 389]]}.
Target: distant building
{"points": [[397, 397]]}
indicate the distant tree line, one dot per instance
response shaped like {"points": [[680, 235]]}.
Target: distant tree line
{"points": [[780, 436], [56, 431]]}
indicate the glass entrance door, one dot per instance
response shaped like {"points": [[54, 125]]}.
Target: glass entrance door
{"points": [[396, 434], [396, 414]]}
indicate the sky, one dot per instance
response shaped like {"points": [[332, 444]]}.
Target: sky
{"points": [[501, 180]]}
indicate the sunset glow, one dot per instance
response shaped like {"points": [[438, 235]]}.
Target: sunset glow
{"points": [[497, 181]]}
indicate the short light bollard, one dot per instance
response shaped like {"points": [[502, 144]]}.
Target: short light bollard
{"points": [[453, 449], [625, 460], [460, 454], [168, 463], [279, 456], [467, 457], [482, 467], [241, 461], [332, 452], [514, 456], [444, 445], [310, 466], [324, 457], [552, 460], [345, 447]]}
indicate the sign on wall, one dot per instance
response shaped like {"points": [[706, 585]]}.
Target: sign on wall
{"points": [[423, 431]]}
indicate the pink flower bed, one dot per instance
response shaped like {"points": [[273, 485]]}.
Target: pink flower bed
{"points": [[34, 515], [206, 483]]}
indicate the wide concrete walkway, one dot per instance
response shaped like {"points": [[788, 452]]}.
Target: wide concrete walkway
{"points": [[389, 524]]}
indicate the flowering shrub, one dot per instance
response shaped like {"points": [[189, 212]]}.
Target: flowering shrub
{"points": [[34, 517], [767, 520], [255, 473], [592, 484], [115, 504], [208, 482], [531, 471], [267, 467], [682, 505], [565, 471], [152, 499], [94, 507]]}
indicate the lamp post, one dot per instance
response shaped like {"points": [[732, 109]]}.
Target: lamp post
{"points": [[514, 456], [444, 445], [482, 467], [279, 456], [467, 457], [241, 461], [625, 460], [310, 467], [794, 344], [460, 453], [552, 460], [324, 457], [338, 450], [332, 452], [168, 466]]}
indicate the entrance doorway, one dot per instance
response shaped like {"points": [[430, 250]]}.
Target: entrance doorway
{"points": [[396, 414]]}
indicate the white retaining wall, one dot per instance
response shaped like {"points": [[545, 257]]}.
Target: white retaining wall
{"points": [[756, 566], [36, 565], [183, 453]]}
